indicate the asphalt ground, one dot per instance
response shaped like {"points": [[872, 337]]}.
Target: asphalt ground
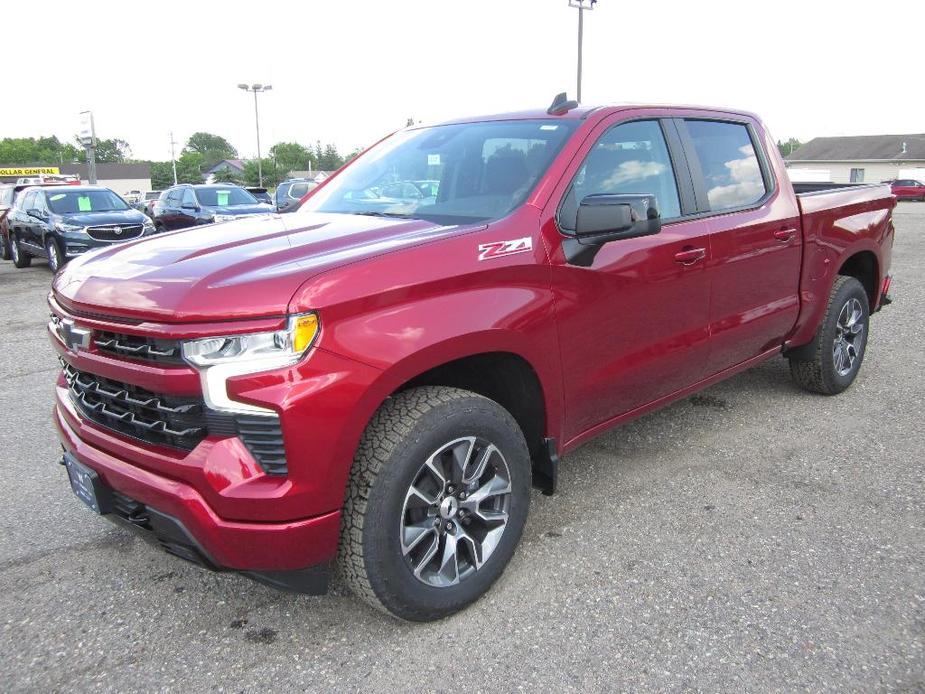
{"points": [[752, 537]]}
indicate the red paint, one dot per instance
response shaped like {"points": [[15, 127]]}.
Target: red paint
{"points": [[651, 320], [908, 189]]}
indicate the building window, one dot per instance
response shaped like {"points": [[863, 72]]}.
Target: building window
{"points": [[857, 175]]}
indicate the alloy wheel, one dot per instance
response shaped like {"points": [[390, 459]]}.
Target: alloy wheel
{"points": [[849, 336], [54, 256], [14, 248], [455, 511]]}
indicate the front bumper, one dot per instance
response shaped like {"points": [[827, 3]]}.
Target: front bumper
{"points": [[181, 522]]}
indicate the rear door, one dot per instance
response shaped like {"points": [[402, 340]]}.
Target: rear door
{"points": [[170, 215], [755, 239], [634, 324]]}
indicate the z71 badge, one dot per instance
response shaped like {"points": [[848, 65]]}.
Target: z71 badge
{"points": [[497, 249]]}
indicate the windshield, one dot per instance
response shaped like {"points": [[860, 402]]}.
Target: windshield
{"points": [[77, 201], [448, 174], [224, 196]]}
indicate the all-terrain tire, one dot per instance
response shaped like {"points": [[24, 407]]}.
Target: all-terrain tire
{"points": [[404, 433], [821, 372]]}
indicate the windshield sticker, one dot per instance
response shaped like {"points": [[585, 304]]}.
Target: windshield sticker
{"points": [[83, 203], [222, 196], [59, 196], [497, 249], [433, 160], [549, 127]]}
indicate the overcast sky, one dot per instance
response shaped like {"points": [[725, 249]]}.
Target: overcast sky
{"points": [[349, 72]]}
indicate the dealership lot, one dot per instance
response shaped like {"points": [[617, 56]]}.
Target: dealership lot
{"points": [[752, 536]]}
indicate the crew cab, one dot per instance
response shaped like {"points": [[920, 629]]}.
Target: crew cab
{"points": [[378, 386], [187, 205], [63, 222]]}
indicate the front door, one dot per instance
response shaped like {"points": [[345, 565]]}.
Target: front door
{"points": [[633, 325]]}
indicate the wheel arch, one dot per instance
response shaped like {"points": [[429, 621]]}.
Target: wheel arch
{"points": [[865, 268]]}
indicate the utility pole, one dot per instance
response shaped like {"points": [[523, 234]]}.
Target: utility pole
{"points": [[173, 158], [257, 88], [87, 136], [581, 5]]}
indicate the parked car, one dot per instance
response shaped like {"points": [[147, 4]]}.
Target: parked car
{"points": [[188, 205], [8, 197], [377, 388], [289, 193], [132, 197], [908, 189], [146, 202], [261, 194], [63, 222]]}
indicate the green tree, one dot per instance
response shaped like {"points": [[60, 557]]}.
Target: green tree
{"points": [[161, 175], [227, 176], [291, 156], [788, 147], [271, 175], [114, 151], [190, 168], [212, 148], [327, 157]]}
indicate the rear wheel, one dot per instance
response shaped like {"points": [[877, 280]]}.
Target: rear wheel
{"points": [[20, 258], [54, 254], [437, 502], [841, 341]]}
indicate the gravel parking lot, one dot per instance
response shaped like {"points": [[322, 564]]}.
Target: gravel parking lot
{"points": [[750, 537]]}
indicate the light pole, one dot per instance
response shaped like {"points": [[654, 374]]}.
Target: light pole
{"points": [[257, 88], [582, 5]]}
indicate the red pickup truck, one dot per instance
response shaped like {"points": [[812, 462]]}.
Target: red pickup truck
{"points": [[374, 382]]}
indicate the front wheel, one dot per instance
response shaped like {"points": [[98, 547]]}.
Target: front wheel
{"points": [[438, 498], [54, 255], [5, 250], [841, 341]]}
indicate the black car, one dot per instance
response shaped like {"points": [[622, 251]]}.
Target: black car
{"points": [[289, 193], [190, 205], [64, 221], [261, 194]]}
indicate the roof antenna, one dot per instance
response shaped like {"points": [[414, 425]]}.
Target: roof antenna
{"points": [[561, 105]]}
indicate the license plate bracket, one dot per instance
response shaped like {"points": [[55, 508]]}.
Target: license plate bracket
{"points": [[88, 486]]}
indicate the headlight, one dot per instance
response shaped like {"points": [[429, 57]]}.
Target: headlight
{"points": [[68, 228], [224, 218], [219, 358]]}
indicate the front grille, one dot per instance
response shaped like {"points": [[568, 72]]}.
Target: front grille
{"points": [[137, 347], [157, 419], [115, 232], [173, 421]]}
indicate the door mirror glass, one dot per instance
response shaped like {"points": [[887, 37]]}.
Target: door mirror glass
{"points": [[34, 212], [189, 206]]}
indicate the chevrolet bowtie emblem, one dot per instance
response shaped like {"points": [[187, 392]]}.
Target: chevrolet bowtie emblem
{"points": [[75, 338]]}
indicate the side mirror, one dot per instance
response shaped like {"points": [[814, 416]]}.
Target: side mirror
{"points": [[37, 214], [189, 206], [605, 218]]}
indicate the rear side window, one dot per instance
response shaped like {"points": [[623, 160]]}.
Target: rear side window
{"points": [[173, 197], [631, 158], [729, 163]]}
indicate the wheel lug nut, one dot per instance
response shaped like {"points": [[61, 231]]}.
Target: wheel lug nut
{"points": [[450, 527], [463, 495], [450, 489]]}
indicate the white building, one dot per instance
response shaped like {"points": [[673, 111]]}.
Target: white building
{"points": [[860, 159]]}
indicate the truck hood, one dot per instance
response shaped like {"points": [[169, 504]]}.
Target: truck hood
{"points": [[246, 268]]}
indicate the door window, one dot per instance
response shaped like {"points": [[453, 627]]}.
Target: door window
{"points": [[729, 162], [631, 158], [188, 197], [28, 202]]}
